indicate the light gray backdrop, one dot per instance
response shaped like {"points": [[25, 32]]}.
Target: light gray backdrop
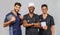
{"points": [[7, 5]]}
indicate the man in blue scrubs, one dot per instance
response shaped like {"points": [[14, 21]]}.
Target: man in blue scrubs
{"points": [[13, 20], [47, 22]]}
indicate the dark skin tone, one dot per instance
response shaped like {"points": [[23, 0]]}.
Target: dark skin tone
{"points": [[31, 13], [15, 11]]}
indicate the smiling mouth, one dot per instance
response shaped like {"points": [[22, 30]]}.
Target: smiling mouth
{"points": [[31, 10]]}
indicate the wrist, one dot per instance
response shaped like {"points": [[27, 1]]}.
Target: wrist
{"points": [[52, 34], [11, 21], [32, 24]]}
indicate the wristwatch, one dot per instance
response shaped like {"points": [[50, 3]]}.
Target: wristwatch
{"points": [[32, 24]]}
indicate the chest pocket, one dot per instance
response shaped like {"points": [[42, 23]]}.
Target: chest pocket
{"points": [[30, 20]]}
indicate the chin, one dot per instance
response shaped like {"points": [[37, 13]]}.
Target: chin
{"points": [[44, 13], [17, 10], [31, 12]]}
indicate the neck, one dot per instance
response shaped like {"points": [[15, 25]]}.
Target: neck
{"points": [[45, 14], [31, 13], [14, 13]]}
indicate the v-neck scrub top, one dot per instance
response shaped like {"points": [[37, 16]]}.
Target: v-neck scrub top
{"points": [[31, 30], [15, 27], [49, 22]]}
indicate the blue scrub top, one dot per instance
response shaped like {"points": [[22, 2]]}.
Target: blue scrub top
{"points": [[15, 27]]}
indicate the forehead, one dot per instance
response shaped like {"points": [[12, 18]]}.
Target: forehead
{"points": [[17, 5], [31, 7], [44, 7]]}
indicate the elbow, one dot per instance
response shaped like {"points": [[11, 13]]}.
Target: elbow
{"points": [[24, 25], [4, 25]]}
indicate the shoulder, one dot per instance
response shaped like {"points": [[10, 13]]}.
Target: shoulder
{"points": [[26, 15], [40, 15], [8, 14], [50, 16], [18, 14], [36, 15]]}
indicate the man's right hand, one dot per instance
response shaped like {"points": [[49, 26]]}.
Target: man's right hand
{"points": [[45, 27], [10, 21], [13, 19]]}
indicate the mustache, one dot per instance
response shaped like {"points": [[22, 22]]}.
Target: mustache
{"points": [[31, 10], [15, 10]]}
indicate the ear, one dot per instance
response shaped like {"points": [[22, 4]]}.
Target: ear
{"points": [[47, 8]]}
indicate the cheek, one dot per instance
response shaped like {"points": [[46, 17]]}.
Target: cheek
{"points": [[31, 8], [43, 10], [17, 8], [14, 7]]}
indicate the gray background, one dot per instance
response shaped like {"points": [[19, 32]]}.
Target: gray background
{"points": [[7, 5]]}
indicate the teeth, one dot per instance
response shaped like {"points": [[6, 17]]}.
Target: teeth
{"points": [[31, 10]]}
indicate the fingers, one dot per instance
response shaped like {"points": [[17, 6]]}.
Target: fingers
{"points": [[21, 17], [13, 18], [45, 27]]}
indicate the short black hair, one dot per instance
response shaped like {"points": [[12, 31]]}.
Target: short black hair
{"points": [[17, 3], [44, 5]]}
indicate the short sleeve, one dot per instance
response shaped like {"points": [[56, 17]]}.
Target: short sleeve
{"points": [[18, 14], [5, 20], [52, 21], [24, 17], [37, 18], [40, 17]]}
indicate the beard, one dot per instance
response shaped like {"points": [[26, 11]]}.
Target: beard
{"points": [[16, 11], [44, 13], [31, 11]]}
